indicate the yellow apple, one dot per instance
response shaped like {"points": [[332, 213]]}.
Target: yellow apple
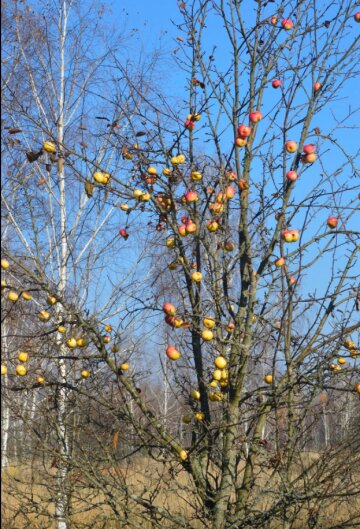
{"points": [[341, 360], [44, 315], [4, 369], [5, 264], [23, 357], [195, 394], [51, 300], [213, 384], [145, 197], [3, 284], [268, 379], [61, 329], [220, 362], [85, 373], [106, 339], [199, 416], [101, 178], [137, 193], [196, 176], [124, 367], [81, 342], [217, 374], [207, 335], [21, 370], [40, 380], [209, 322], [196, 276], [71, 343], [49, 146], [223, 383], [183, 455], [124, 207], [152, 171], [108, 328], [170, 242], [167, 171], [12, 296], [357, 388], [216, 396]]}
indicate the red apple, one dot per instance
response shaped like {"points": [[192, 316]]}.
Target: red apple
{"points": [[189, 124], [292, 176], [273, 20], [309, 149], [184, 219], [357, 17], [243, 184], [276, 83], [317, 87], [332, 222], [291, 146], [172, 352], [123, 233], [244, 131], [191, 196], [255, 116], [169, 309], [287, 24]]}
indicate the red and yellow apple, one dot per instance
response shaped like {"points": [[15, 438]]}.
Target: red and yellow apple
{"points": [[291, 176], [26, 295], [244, 131], [172, 352], [291, 146], [255, 116], [240, 142], [332, 222], [287, 24]]}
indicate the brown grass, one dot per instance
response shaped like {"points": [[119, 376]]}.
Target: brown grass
{"points": [[28, 498]]}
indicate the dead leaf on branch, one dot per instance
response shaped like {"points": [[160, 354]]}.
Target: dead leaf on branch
{"points": [[32, 156], [115, 440], [89, 189]]}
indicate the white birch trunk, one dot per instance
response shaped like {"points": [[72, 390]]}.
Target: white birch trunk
{"points": [[5, 411], [62, 502]]}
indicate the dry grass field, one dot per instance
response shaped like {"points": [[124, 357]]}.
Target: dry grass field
{"points": [[28, 498]]}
